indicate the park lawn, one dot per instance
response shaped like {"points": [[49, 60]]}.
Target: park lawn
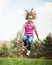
{"points": [[24, 61]]}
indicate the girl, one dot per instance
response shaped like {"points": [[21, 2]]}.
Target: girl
{"points": [[28, 27]]}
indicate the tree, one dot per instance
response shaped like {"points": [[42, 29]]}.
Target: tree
{"points": [[4, 50], [16, 48], [48, 46]]}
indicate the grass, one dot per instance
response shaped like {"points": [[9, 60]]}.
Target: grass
{"points": [[24, 61]]}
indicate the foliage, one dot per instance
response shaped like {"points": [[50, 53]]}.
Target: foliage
{"points": [[48, 46], [39, 49], [16, 48], [4, 50], [45, 48]]}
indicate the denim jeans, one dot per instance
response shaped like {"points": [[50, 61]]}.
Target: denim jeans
{"points": [[27, 41]]}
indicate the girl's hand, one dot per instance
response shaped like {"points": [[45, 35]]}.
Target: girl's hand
{"points": [[38, 38], [18, 40]]}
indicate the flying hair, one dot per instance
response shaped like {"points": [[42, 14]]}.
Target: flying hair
{"points": [[30, 13]]}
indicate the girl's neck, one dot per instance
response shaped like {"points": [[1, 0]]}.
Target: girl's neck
{"points": [[29, 22]]}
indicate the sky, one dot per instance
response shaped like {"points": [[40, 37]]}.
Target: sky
{"points": [[12, 17]]}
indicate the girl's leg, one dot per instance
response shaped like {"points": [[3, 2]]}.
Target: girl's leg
{"points": [[30, 39], [25, 42]]}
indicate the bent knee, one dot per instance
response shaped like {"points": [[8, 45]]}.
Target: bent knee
{"points": [[24, 38], [30, 39]]}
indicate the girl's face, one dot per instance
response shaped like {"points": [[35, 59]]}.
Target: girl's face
{"points": [[30, 18]]}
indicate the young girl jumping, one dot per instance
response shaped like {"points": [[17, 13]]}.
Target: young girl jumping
{"points": [[28, 28]]}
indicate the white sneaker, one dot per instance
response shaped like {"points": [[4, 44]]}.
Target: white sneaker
{"points": [[28, 53], [23, 48]]}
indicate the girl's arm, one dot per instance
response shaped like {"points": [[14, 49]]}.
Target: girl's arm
{"points": [[22, 31], [36, 32]]}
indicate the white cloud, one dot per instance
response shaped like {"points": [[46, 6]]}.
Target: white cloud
{"points": [[3, 31], [45, 10], [3, 5], [12, 19], [44, 18]]}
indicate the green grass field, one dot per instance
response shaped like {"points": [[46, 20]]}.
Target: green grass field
{"points": [[21, 61]]}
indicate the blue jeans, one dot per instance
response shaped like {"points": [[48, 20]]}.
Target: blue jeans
{"points": [[27, 39]]}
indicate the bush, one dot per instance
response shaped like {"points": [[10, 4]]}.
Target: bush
{"points": [[4, 50]]}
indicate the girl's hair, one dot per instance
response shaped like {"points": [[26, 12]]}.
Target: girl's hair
{"points": [[30, 13]]}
